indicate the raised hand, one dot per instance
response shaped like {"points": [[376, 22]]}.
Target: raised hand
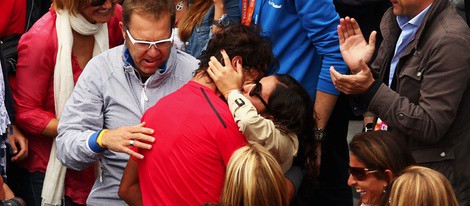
{"points": [[226, 77], [121, 138], [352, 44]]}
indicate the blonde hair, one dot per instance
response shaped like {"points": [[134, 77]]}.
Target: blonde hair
{"points": [[422, 186], [73, 6], [193, 17], [254, 178]]}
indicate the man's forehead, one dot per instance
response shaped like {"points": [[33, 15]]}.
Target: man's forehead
{"points": [[149, 20]]}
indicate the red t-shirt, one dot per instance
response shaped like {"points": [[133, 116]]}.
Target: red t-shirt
{"points": [[195, 138]]}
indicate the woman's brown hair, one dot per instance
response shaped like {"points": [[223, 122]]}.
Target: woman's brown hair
{"points": [[193, 17], [381, 150], [73, 6]]}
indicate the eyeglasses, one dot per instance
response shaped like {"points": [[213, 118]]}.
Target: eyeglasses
{"points": [[145, 45], [360, 173], [100, 2], [256, 91]]}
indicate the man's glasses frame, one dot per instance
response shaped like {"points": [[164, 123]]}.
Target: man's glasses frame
{"points": [[256, 91], [360, 173], [149, 43], [96, 3]]}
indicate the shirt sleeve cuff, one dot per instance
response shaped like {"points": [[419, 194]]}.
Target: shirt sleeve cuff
{"points": [[93, 144], [370, 92], [294, 174]]}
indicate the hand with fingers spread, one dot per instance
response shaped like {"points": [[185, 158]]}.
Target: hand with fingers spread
{"points": [[121, 138], [352, 44], [226, 77], [16, 137], [354, 83]]}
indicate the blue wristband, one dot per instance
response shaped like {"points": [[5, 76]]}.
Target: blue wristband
{"points": [[93, 144]]}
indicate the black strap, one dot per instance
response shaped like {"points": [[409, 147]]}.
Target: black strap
{"points": [[467, 11], [10, 54], [213, 108]]}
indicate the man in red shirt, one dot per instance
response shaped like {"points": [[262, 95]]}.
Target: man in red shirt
{"points": [[194, 130]]}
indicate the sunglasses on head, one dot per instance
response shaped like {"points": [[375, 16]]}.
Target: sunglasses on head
{"points": [[100, 2], [256, 91], [360, 173]]}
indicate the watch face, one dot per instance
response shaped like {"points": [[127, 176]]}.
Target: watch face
{"points": [[224, 21]]}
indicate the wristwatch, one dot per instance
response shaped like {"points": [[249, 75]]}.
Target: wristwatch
{"points": [[223, 21], [319, 134], [369, 127]]}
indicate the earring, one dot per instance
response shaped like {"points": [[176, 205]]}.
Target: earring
{"points": [[385, 189]]}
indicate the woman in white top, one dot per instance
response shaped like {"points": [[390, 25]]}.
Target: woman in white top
{"points": [[271, 112]]}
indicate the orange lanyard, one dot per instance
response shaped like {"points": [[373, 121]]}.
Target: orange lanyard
{"points": [[247, 11]]}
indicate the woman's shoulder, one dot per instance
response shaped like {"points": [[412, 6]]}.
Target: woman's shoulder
{"points": [[44, 26], [43, 34]]}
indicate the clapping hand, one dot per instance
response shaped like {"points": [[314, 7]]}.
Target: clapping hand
{"points": [[352, 44], [355, 83]]}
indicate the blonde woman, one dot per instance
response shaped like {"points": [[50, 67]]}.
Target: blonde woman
{"points": [[254, 178], [421, 186], [51, 57]]}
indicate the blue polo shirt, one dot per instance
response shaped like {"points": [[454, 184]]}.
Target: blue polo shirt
{"points": [[304, 38]]}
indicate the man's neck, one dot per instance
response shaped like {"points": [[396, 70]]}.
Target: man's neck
{"points": [[423, 6], [204, 80]]}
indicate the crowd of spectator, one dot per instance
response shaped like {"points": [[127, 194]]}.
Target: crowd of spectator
{"points": [[234, 102]]}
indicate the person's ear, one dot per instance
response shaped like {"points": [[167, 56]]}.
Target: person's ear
{"points": [[270, 117], [389, 175], [234, 61], [123, 29]]}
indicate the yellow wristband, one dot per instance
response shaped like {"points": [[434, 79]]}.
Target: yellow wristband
{"points": [[100, 137]]}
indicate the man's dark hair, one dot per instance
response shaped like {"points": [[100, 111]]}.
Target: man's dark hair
{"points": [[148, 8], [240, 40]]}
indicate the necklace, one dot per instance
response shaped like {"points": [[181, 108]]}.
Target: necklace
{"points": [[180, 5]]}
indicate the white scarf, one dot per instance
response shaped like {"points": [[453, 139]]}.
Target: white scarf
{"points": [[53, 188]]}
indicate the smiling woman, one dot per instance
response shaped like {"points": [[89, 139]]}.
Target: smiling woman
{"points": [[375, 159], [51, 57]]}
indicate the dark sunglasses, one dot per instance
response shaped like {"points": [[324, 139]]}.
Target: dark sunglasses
{"points": [[360, 173], [256, 91], [100, 2]]}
